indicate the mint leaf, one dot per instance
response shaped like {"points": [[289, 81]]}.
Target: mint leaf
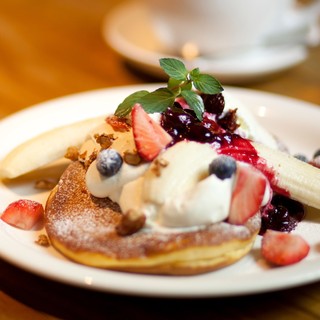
{"points": [[174, 68], [206, 83], [194, 101], [125, 107], [158, 100], [195, 73]]}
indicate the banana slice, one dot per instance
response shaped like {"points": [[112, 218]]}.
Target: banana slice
{"points": [[45, 148], [299, 179]]}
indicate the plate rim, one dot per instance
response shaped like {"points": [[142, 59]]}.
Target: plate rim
{"points": [[81, 279]]}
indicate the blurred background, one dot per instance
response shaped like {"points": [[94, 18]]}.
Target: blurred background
{"points": [[56, 47]]}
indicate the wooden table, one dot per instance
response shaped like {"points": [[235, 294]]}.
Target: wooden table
{"points": [[52, 48]]}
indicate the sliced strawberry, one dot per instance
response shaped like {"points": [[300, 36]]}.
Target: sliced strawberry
{"points": [[150, 138], [247, 194], [282, 248], [23, 214]]}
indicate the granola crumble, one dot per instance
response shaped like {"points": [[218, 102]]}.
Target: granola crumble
{"points": [[104, 140], [158, 164], [72, 153], [131, 222], [43, 240]]}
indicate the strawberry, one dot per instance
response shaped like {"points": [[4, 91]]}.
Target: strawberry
{"points": [[150, 138], [282, 248], [23, 214], [247, 194]]}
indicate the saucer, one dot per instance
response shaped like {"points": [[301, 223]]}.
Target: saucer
{"points": [[127, 29]]}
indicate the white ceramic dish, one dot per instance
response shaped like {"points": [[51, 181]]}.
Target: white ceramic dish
{"points": [[296, 122], [129, 32]]}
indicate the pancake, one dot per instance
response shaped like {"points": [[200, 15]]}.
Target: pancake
{"points": [[84, 229]]}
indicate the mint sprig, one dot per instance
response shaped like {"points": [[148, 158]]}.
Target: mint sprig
{"points": [[181, 83]]}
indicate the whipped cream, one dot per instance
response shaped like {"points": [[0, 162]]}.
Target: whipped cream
{"points": [[205, 203], [181, 195], [102, 187]]}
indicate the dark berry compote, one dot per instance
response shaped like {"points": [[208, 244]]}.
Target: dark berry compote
{"points": [[218, 128], [282, 214]]}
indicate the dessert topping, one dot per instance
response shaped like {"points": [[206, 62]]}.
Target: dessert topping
{"points": [[118, 124], [223, 167], [150, 138], [157, 165], [131, 157], [180, 85], [72, 153], [45, 184], [43, 240], [248, 194], [281, 248], [109, 162], [23, 214], [131, 221], [104, 140]]}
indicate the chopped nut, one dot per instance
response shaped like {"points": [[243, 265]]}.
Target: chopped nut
{"points": [[118, 124], [82, 156], [131, 158], [131, 222], [105, 140], [43, 240], [158, 164], [229, 121], [92, 157], [45, 184], [72, 153]]}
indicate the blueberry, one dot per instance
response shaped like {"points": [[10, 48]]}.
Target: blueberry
{"points": [[109, 161], [223, 167], [301, 157]]}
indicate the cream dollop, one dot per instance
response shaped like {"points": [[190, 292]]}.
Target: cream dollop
{"points": [[102, 187], [205, 198], [207, 202]]}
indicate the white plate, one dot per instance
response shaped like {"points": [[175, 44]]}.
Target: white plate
{"points": [[129, 32], [296, 122]]}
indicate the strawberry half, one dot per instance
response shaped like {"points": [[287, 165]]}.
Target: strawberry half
{"points": [[150, 138], [247, 194], [282, 248], [23, 214]]}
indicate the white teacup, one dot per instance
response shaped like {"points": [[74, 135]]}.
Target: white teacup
{"points": [[192, 27]]}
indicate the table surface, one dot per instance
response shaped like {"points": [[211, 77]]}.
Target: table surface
{"points": [[53, 48]]}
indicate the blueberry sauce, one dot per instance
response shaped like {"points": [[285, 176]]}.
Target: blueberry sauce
{"points": [[217, 128], [282, 214]]}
